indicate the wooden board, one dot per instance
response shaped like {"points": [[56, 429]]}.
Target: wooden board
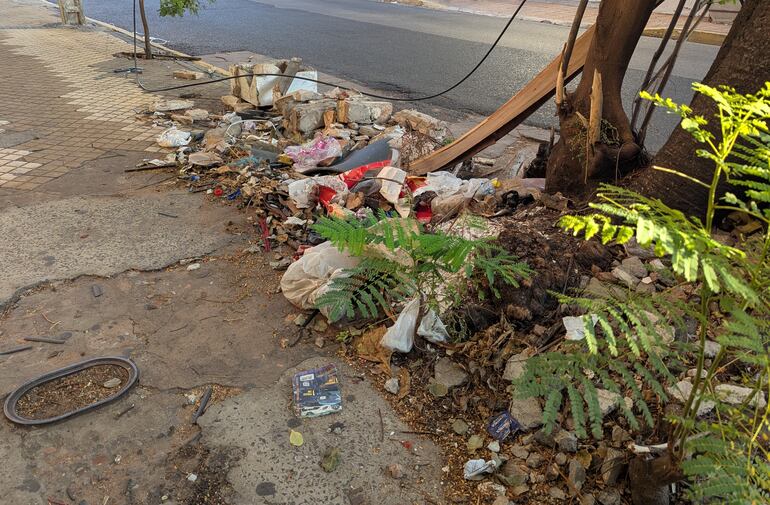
{"points": [[537, 91]]}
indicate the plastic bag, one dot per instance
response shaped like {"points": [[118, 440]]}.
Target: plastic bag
{"points": [[313, 152], [432, 328], [308, 277], [446, 185], [173, 138], [474, 468], [304, 193], [400, 336]]}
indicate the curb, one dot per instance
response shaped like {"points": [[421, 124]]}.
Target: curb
{"points": [[207, 66], [698, 36]]}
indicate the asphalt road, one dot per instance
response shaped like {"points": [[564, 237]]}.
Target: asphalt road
{"points": [[398, 49]]}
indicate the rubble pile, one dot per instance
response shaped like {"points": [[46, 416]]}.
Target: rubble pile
{"points": [[291, 156]]}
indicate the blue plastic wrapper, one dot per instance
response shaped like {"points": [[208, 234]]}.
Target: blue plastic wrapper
{"points": [[502, 425]]}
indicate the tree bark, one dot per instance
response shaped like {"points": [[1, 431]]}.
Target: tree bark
{"points": [[619, 25], [743, 63], [146, 28]]}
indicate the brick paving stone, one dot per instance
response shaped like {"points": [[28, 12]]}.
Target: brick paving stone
{"points": [[52, 85]]}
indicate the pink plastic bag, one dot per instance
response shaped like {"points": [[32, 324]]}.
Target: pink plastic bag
{"points": [[312, 153]]}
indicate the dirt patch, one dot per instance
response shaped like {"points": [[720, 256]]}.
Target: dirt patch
{"points": [[202, 474], [72, 392]]}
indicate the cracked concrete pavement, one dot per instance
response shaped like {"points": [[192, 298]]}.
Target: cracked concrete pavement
{"points": [[219, 325]]}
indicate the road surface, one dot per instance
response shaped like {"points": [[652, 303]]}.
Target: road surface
{"points": [[398, 49]]}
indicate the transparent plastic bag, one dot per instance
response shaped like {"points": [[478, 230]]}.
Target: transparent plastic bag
{"points": [[310, 154]]}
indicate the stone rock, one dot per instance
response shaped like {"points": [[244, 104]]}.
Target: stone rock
{"points": [[625, 277], [601, 289], [612, 466], [395, 471], [527, 412], [392, 386], [449, 373], [514, 475], [634, 266], [331, 459], [515, 366], [230, 100], [306, 117], [172, 104], [475, 442], [735, 395], [494, 446], [545, 439], [633, 248], [646, 287], [369, 131], [460, 427], [242, 107], [560, 459], [500, 500], [182, 119], [681, 391], [363, 111], [188, 75], [576, 477], [608, 401], [557, 493], [197, 114], [519, 452], [587, 499], [711, 349], [535, 460], [492, 488], [692, 372], [423, 123], [438, 389], [566, 441], [112, 383], [609, 497], [319, 342], [619, 436], [319, 324], [520, 490], [281, 264]]}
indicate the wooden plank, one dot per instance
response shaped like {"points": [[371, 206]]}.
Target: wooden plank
{"points": [[531, 97]]}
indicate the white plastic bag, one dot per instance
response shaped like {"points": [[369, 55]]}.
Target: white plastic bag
{"points": [[303, 193], [432, 328], [308, 277], [400, 336], [172, 137]]}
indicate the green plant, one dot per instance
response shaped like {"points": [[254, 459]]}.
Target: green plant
{"points": [[730, 450], [179, 7], [399, 261]]}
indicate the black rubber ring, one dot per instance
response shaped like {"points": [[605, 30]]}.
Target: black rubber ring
{"points": [[10, 402]]}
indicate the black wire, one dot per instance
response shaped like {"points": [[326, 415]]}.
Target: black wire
{"points": [[318, 81]]}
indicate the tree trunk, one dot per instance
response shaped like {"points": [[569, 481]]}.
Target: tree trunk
{"points": [[619, 25], [146, 28], [743, 63]]}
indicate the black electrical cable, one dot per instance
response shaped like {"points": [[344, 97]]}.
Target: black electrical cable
{"points": [[318, 81]]}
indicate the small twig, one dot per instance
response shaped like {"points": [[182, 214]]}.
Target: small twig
{"points": [[202, 407], [167, 215], [47, 340], [418, 432], [124, 411], [180, 328], [382, 426], [14, 350]]}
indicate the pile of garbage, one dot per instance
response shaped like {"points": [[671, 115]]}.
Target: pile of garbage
{"points": [[291, 156]]}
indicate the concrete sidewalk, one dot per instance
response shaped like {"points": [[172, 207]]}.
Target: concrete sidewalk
{"points": [[101, 259]]}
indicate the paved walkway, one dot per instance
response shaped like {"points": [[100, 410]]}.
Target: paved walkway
{"points": [[69, 110], [74, 225]]}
